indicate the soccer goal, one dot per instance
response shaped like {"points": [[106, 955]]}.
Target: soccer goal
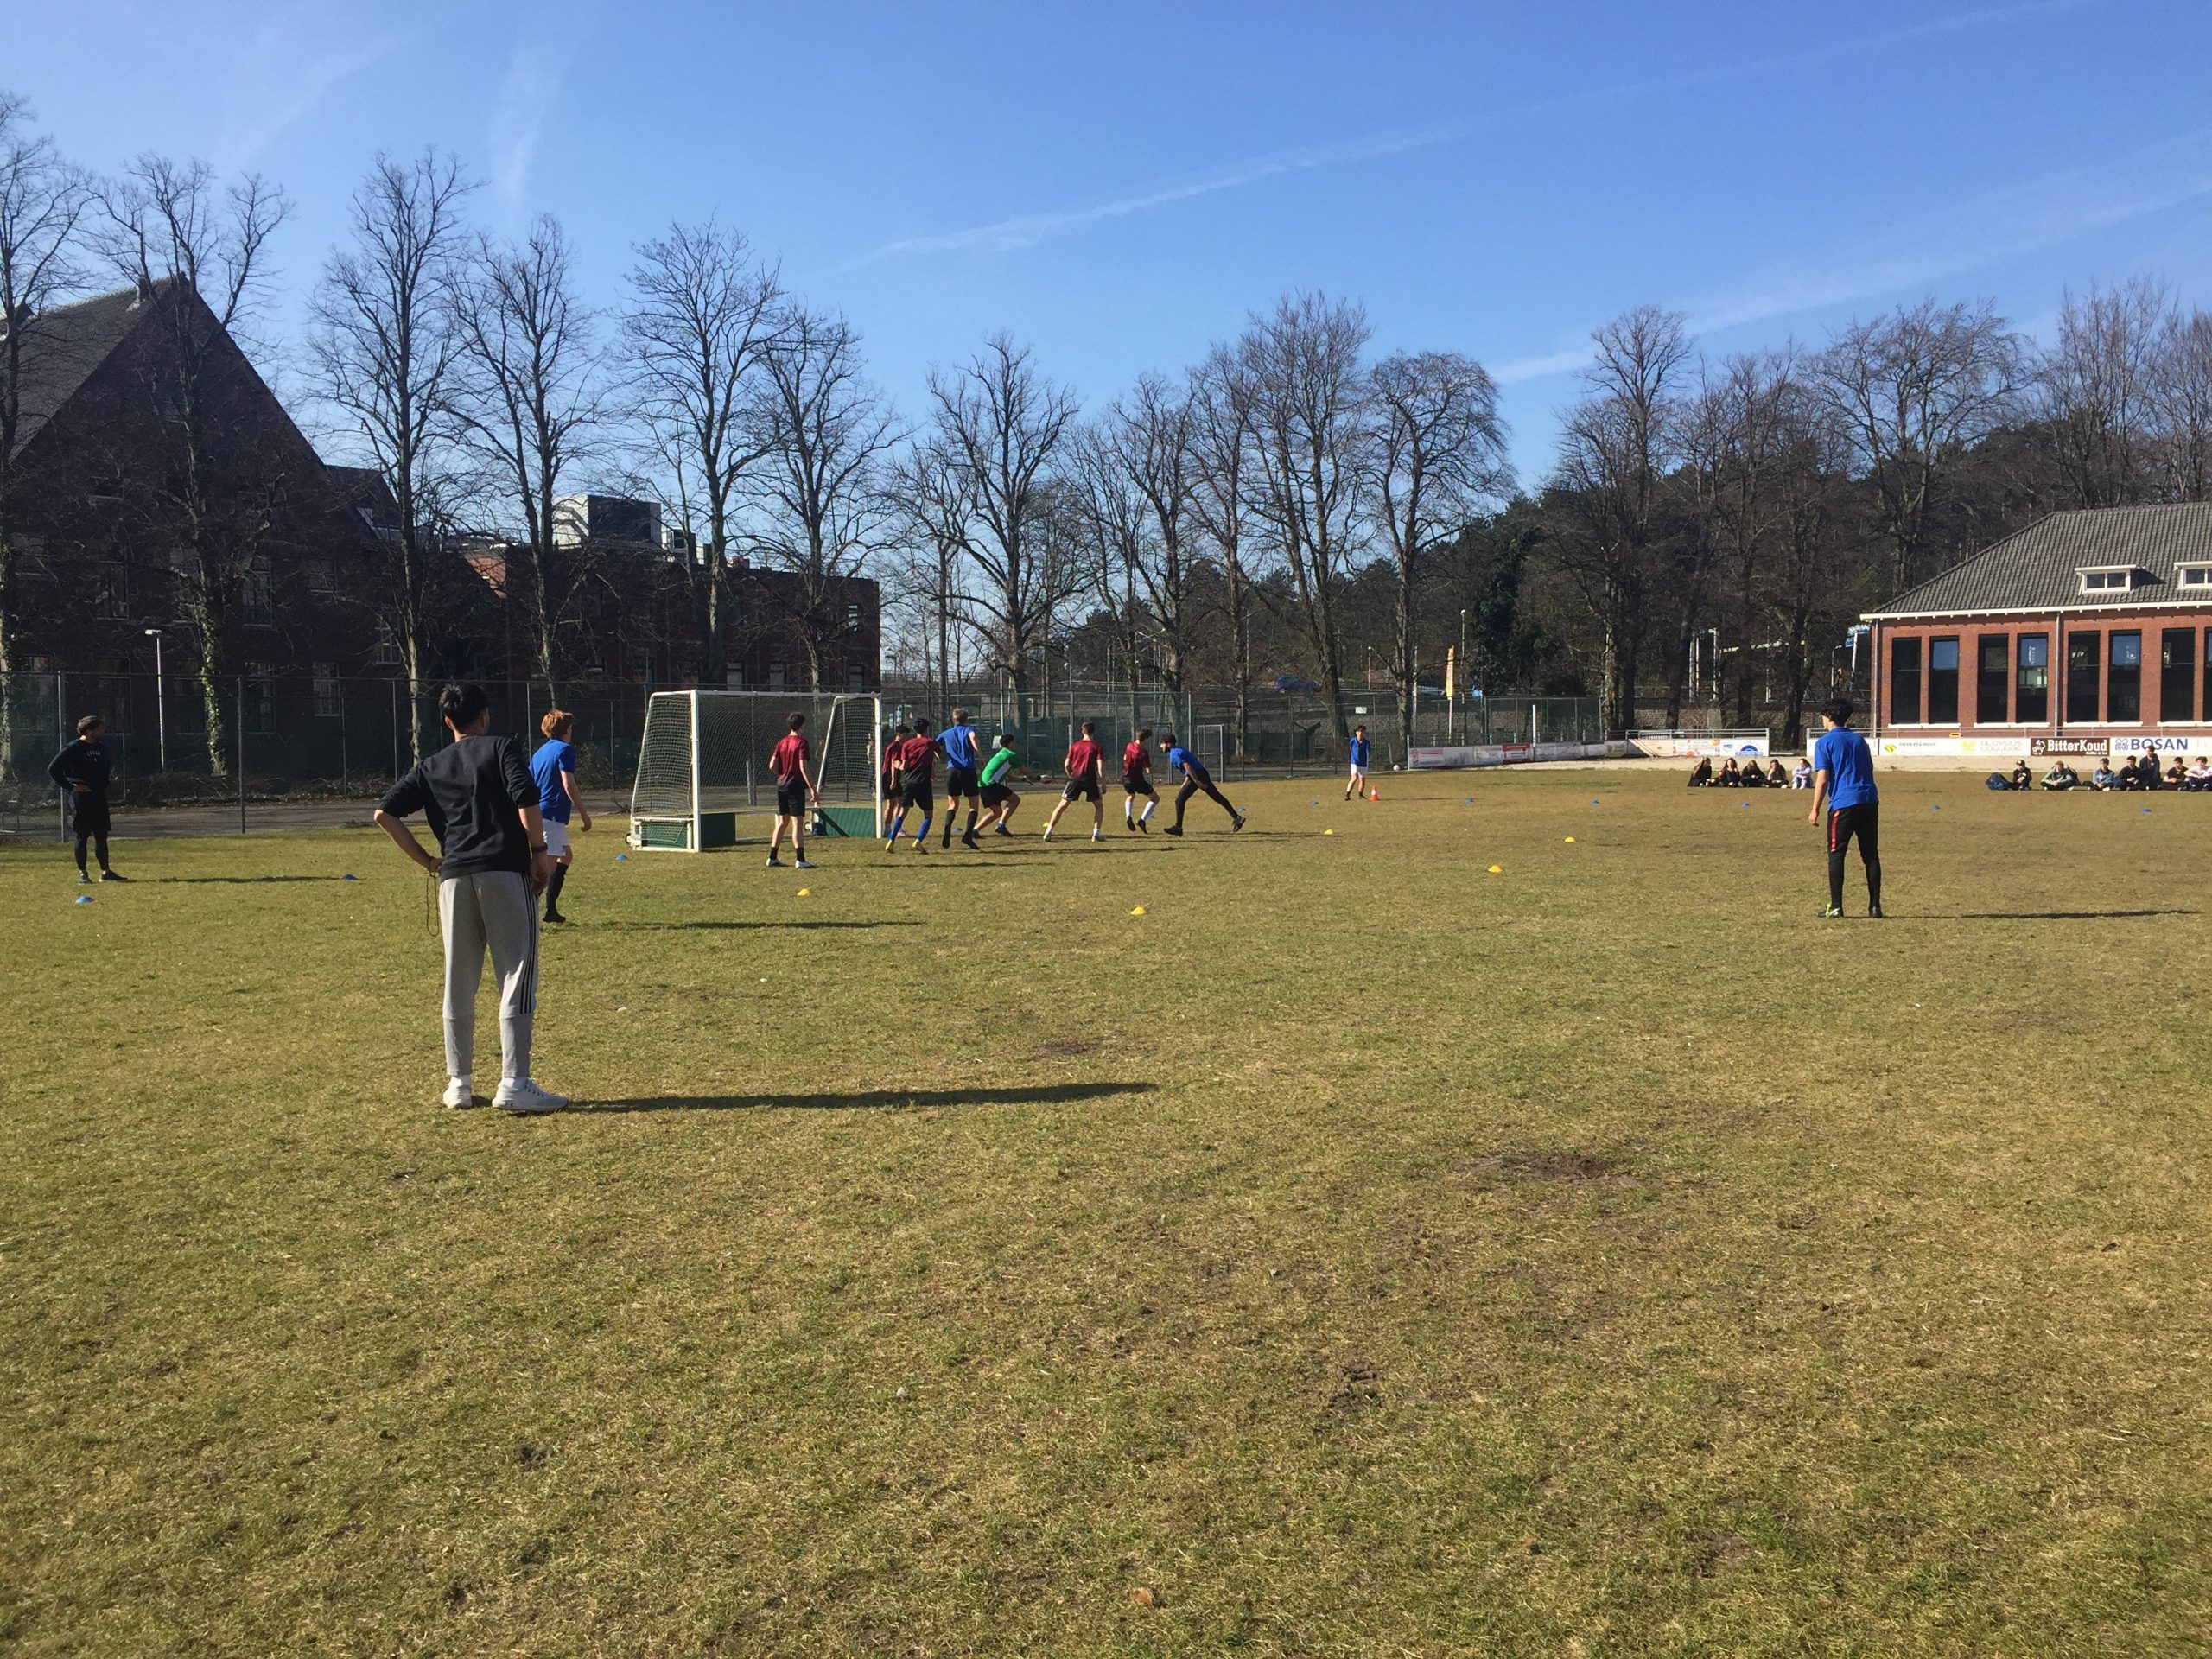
{"points": [[702, 766]]}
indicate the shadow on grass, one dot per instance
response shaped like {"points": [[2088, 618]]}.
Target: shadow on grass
{"points": [[2051, 915], [230, 880], [1046, 1094], [734, 927]]}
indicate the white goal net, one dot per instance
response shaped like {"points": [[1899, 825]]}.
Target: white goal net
{"points": [[704, 778]]}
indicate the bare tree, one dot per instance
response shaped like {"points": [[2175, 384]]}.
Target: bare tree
{"points": [[932, 549], [1154, 438], [1221, 449], [1914, 390], [197, 251], [1615, 452], [1110, 527], [1310, 404], [43, 203], [2094, 389], [531, 404], [701, 312], [998, 427], [1439, 455], [386, 345], [2180, 402], [824, 503]]}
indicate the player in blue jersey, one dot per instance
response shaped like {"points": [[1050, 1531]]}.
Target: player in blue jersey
{"points": [[1843, 781], [1361, 752], [959, 740], [553, 769], [1196, 780]]}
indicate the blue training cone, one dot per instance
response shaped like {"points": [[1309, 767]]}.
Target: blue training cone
{"points": [[348, 876], [621, 858], [1935, 809], [84, 898]]}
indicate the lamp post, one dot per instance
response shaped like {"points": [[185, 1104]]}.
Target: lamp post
{"points": [[161, 702]]}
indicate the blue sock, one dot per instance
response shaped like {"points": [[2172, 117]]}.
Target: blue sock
{"points": [[922, 834], [897, 819]]}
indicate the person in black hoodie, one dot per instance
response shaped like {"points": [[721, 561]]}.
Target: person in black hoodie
{"points": [[83, 771]]}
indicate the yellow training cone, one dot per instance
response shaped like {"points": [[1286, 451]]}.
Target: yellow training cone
{"points": [[1570, 841], [806, 892], [1328, 832], [1139, 910], [1497, 869]]}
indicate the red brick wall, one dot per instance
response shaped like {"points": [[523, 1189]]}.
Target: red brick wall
{"points": [[2058, 629]]}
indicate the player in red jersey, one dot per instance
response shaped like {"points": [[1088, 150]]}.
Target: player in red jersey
{"points": [[1136, 779], [1086, 761], [797, 788], [917, 773]]}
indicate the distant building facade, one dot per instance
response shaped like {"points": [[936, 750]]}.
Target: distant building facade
{"points": [[2089, 633]]}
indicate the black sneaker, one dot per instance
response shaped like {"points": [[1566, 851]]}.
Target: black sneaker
{"points": [[968, 839], [1003, 831], [555, 919], [1831, 912], [1873, 912], [1144, 828], [1172, 830], [84, 880], [1238, 823], [110, 875]]}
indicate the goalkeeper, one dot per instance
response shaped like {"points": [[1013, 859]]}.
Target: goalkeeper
{"points": [[1000, 802]]}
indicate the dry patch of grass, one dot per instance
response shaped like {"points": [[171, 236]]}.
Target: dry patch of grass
{"points": [[1358, 1253]]}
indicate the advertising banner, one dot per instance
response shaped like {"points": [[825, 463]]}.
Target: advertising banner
{"points": [[1459, 756], [2163, 743], [1672, 746], [2083, 745], [1905, 748]]}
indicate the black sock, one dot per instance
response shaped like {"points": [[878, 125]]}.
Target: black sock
{"points": [[1835, 880], [1874, 883], [81, 840], [99, 851], [553, 889]]}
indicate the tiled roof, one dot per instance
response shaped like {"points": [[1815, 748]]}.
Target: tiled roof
{"points": [[2038, 568], [66, 344]]}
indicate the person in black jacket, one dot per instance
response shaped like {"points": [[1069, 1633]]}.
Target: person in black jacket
{"points": [[82, 771]]}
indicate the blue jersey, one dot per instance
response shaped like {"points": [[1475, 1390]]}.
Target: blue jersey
{"points": [[1842, 753], [1361, 748], [554, 756], [1179, 756], [959, 746]]}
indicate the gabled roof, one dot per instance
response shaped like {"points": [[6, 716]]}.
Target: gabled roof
{"points": [[2038, 567], [65, 344]]}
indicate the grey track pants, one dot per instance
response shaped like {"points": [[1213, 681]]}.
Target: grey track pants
{"points": [[494, 909]]}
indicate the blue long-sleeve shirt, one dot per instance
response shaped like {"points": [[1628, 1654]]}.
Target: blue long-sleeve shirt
{"points": [[83, 762]]}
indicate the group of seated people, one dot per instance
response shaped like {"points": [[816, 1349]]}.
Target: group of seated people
{"points": [[2142, 772], [1702, 776]]}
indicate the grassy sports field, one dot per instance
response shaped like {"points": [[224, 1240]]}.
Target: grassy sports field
{"points": [[1358, 1253]]}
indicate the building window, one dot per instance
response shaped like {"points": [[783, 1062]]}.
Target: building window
{"points": [[2034, 688], [322, 577], [260, 693], [1943, 682], [856, 678], [1991, 680], [2123, 679], [2112, 580], [852, 619], [255, 607], [2194, 576], [2177, 674], [775, 676], [733, 676], [111, 591], [326, 703], [1905, 683], [386, 654], [2084, 652]]}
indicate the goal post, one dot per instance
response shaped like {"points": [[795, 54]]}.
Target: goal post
{"points": [[703, 780]]}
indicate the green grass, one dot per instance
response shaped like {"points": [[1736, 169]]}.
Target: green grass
{"points": [[1363, 1253]]}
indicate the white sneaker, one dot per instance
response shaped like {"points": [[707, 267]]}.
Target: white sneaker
{"points": [[803, 865], [459, 1093], [521, 1095]]}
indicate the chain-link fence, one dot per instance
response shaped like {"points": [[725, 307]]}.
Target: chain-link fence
{"points": [[282, 752]]}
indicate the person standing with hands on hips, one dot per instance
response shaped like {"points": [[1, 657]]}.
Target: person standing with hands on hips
{"points": [[83, 771], [553, 768], [483, 805], [1843, 781]]}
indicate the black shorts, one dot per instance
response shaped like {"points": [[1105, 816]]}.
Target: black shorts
{"points": [[916, 792], [1863, 822], [791, 799], [1084, 788], [88, 813], [996, 794], [959, 781], [1138, 782]]}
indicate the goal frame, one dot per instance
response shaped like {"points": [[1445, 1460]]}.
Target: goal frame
{"points": [[694, 817]]}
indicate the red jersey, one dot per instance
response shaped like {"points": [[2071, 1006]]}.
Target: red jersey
{"points": [[1084, 758], [790, 759], [918, 755], [1135, 759]]}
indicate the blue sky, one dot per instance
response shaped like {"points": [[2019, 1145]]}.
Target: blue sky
{"points": [[1119, 185]]}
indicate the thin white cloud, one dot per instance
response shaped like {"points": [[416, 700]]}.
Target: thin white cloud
{"points": [[2006, 223], [1028, 230], [535, 76], [290, 67]]}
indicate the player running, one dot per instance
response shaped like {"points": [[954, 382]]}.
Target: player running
{"points": [[553, 768], [1085, 760], [797, 788], [83, 769], [917, 773], [959, 739], [1001, 802], [1136, 779], [1843, 780], [888, 774], [1361, 752], [1196, 780]]}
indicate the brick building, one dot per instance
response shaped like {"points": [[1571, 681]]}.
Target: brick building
{"points": [[2089, 632]]}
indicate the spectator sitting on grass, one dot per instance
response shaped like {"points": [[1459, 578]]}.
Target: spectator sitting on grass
{"points": [[2060, 776], [2103, 777], [1776, 777], [2199, 775], [1701, 773], [2022, 778], [1803, 778], [1751, 777], [1729, 778], [2177, 774]]}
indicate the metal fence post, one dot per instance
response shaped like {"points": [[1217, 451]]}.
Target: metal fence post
{"points": [[240, 694], [61, 735]]}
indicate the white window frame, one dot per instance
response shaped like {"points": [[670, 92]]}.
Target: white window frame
{"points": [[2126, 573], [2192, 575]]}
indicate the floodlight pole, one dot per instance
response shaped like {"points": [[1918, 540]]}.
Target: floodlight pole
{"points": [[161, 702]]}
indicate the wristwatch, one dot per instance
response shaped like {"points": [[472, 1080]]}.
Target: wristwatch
{"points": [[538, 851]]}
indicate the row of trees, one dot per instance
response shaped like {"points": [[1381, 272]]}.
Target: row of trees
{"points": [[1291, 503]]}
